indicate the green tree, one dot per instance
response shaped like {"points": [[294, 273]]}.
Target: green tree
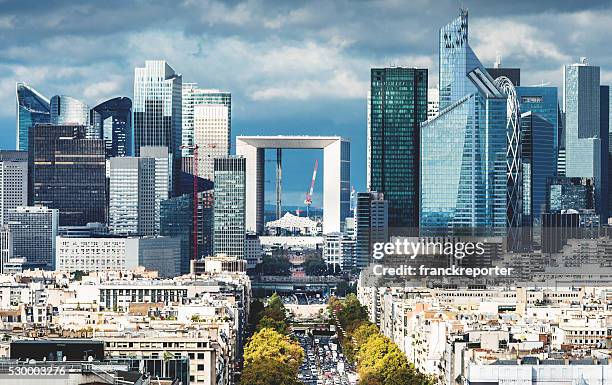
{"points": [[255, 311], [270, 344], [276, 265], [268, 372], [271, 323], [275, 309], [315, 265]]}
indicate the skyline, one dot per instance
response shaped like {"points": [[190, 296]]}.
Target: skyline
{"points": [[288, 70]]}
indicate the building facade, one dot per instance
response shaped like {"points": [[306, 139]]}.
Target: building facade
{"points": [[132, 196], [463, 150], [398, 105], [32, 108], [66, 110], [212, 135], [229, 206], [13, 181], [6, 246], [194, 96], [584, 140], [157, 111], [543, 101], [177, 221], [371, 225], [34, 230], [538, 164], [96, 254], [68, 173], [112, 121]]}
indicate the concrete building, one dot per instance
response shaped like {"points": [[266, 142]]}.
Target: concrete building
{"points": [[6, 246], [252, 250], [371, 225], [13, 181], [212, 135], [96, 254], [336, 175]]}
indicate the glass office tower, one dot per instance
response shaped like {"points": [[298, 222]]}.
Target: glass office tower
{"points": [[195, 96], [543, 101], [32, 108], [157, 111], [396, 108], [538, 164], [68, 110], [463, 150], [229, 206], [177, 221], [112, 121], [68, 173], [584, 141]]}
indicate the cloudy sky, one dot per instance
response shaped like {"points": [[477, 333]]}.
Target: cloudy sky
{"points": [[292, 66]]}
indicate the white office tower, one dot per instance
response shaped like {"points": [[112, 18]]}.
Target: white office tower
{"points": [[13, 181], [6, 246], [132, 196], [212, 136], [194, 96]]}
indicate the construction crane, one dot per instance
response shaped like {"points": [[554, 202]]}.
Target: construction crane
{"points": [[308, 201], [194, 148]]}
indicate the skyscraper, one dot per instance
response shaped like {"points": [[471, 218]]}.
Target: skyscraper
{"points": [[112, 121], [212, 136], [34, 230], [463, 150], [32, 108], [13, 181], [163, 177], [67, 172], [371, 225], [177, 221], [157, 111], [584, 142], [132, 196], [68, 110], [229, 206], [543, 101], [6, 246], [538, 164], [398, 105], [194, 96]]}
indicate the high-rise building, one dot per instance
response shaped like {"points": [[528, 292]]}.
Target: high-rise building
{"points": [[212, 135], [68, 173], [32, 108], [163, 176], [398, 105], [177, 221], [538, 164], [161, 254], [13, 181], [464, 176], [112, 121], [514, 74], [157, 111], [6, 246], [433, 103], [132, 196], [34, 230], [584, 142], [194, 96], [371, 225], [229, 206], [544, 101], [66, 110]]}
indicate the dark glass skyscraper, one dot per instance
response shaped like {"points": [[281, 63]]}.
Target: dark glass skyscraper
{"points": [[32, 108], [397, 106], [112, 121], [67, 172], [538, 164], [177, 221]]}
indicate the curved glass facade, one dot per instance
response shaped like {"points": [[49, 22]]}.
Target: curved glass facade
{"points": [[463, 150], [68, 110], [32, 108], [112, 121]]}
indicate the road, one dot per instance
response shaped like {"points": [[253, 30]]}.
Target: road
{"points": [[323, 364]]}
